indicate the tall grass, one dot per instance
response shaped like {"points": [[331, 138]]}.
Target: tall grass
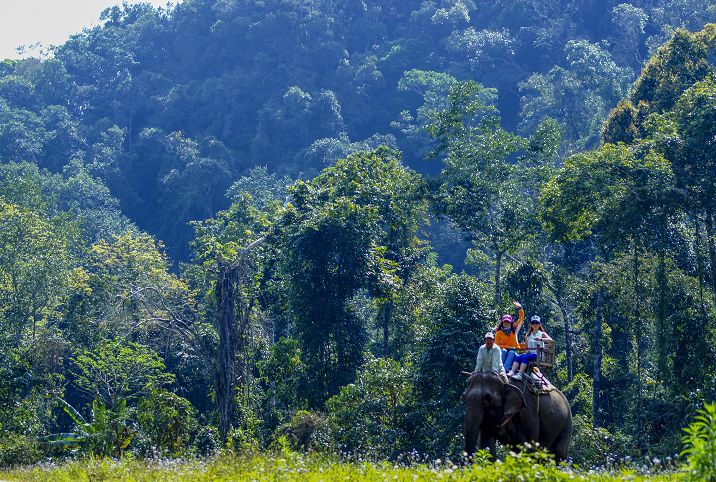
{"points": [[288, 466]]}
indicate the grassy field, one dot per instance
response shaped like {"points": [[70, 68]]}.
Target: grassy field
{"points": [[290, 467]]}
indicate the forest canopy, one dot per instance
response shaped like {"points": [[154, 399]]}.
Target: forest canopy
{"points": [[228, 224]]}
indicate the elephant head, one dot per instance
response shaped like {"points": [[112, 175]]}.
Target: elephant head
{"points": [[490, 406]]}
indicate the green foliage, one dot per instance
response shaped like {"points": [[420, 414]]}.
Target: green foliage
{"points": [[676, 66], [372, 416], [596, 189], [166, 422], [289, 466], [693, 154], [107, 97], [599, 447], [456, 324], [351, 228], [262, 186], [579, 93], [331, 256], [108, 433], [700, 445], [479, 188], [17, 450], [290, 293], [306, 431], [283, 370], [35, 268], [117, 371], [621, 126]]}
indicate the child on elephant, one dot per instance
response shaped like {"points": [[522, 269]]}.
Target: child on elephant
{"points": [[506, 335], [535, 337]]}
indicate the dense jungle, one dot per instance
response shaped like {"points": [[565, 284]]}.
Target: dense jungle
{"points": [[239, 227]]}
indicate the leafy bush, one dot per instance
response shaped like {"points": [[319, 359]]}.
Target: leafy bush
{"points": [[206, 442], [242, 440], [306, 431], [16, 450], [370, 415], [700, 445], [598, 446], [166, 421], [118, 370], [109, 432]]}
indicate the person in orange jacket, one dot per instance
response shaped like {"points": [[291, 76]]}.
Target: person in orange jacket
{"points": [[506, 335]]}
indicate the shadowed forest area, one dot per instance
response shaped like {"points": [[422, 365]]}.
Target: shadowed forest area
{"points": [[240, 225]]}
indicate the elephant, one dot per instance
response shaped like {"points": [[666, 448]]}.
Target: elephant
{"points": [[513, 415]]}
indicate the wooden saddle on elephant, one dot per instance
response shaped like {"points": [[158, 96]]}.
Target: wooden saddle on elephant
{"points": [[545, 356], [537, 382]]}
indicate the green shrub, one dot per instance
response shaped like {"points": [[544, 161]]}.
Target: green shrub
{"points": [[306, 431], [700, 445], [108, 432], [16, 450], [206, 442], [242, 440], [166, 421], [370, 416], [598, 447]]}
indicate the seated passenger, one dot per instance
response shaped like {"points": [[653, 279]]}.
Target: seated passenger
{"points": [[506, 335], [535, 336], [489, 357]]}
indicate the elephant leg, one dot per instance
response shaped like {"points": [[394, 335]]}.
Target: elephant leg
{"points": [[487, 441], [530, 423], [556, 425], [470, 441], [472, 431], [560, 447]]}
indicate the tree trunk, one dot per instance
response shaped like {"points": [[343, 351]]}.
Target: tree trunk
{"points": [[712, 250], [639, 344], [387, 310], [567, 335], [498, 286], [228, 296], [699, 261], [226, 363], [663, 333], [597, 374]]}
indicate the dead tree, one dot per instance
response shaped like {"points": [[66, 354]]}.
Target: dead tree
{"points": [[233, 315]]}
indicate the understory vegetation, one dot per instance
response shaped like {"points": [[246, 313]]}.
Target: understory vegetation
{"points": [[291, 466]]}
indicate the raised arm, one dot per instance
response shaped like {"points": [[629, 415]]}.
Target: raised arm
{"points": [[520, 316]]}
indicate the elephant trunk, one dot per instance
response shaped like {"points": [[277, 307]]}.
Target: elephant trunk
{"points": [[473, 424]]}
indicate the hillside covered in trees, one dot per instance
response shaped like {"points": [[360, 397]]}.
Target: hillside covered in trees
{"points": [[226, 223]]}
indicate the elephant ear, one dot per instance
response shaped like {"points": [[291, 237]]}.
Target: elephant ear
{"points": [[514, 400]]}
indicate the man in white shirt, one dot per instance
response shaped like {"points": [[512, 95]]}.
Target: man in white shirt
{"points": [[489, 357]]}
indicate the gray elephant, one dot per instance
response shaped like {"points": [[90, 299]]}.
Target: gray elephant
{"points": [[512, 414]]}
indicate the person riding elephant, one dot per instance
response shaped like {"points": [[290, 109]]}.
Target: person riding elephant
{"points": [[536, 335], [512, 414], [489, 357], [506, 332]]}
